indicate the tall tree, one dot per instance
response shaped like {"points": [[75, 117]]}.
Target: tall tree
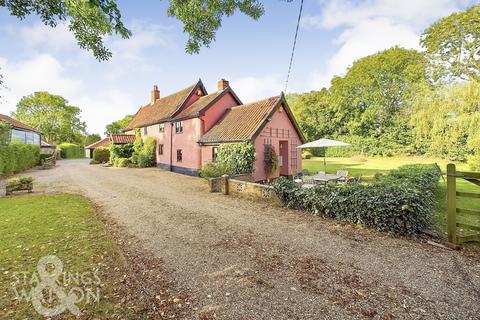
{"points": [[118, 126], [92, 20], [91, 138], [453, 45], [446, 120], [51, 114], [315, 114], [377, 90]]}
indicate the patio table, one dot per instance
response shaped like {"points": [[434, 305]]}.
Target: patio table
{"points": [[324, 178]]}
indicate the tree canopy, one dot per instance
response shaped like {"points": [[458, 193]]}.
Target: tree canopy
{"points": [[91, 138], [118, 126], [453, 45], [53, 116], [92, 20]]}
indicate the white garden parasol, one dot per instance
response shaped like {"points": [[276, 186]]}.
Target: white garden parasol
{"points": [[324, 143]]}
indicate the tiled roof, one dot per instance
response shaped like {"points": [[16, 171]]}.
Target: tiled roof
{"points": [[161, 110], [105, 142], [16, 123], [122, 138], [240, 122], [196, 107]]}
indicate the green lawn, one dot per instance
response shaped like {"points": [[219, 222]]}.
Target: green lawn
{"points": [[64, 225], [367, 167]]}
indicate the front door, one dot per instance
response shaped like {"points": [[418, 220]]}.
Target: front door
{"points": [[283, 158]]}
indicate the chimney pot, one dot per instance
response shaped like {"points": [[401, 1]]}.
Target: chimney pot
{"points": [[155, 94], [222, 84]]}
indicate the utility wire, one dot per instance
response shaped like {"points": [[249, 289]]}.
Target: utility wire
{"points": [[294, 44]]}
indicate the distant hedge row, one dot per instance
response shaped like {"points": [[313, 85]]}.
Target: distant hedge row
{"points": [[71, 151], [400, 202], [17, 157]]}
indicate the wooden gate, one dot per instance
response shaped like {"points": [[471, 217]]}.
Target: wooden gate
{"points": [[461, 230]]}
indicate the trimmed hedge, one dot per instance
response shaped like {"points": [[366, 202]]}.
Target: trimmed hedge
{"points": [[18, 157], [101, 154], [400, 203], [71, 151]]}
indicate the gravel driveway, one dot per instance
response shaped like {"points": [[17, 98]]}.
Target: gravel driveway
{"points": [[249, 260]]}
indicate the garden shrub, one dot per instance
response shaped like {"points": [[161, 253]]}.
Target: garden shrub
{"points": [[214, 170], [122, 162], [71, 151], [101, 154], [143, 153], [400, 202], [238, 158], [306, 154], [270, 161], [120, 151]]}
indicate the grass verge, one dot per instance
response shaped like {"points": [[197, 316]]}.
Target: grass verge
{"points": [[67, 226]]}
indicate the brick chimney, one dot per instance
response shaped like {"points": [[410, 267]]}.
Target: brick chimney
{"points": [[155, 94], [222, 84]]}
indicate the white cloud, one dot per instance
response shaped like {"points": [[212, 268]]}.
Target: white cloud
{"points": [[51, 56], [370, 26], [254, 88], [42, 36], [99, 106], [41, 73]]}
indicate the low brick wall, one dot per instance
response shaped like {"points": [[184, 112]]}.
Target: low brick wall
{"points": [[243, 189], [243, 177]]}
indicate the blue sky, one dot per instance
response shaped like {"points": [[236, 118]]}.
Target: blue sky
{"points": [[253, 55]]}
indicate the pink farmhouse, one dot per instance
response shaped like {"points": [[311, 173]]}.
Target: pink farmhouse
{"points": [[190, 124]]}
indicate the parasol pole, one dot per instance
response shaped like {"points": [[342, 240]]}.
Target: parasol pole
{"points": [[325, 160]]}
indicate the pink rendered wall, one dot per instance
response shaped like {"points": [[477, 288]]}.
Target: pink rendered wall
{"points": [[280, 120], [186, 141], [216, 111], [206, 154], [161, 138]]}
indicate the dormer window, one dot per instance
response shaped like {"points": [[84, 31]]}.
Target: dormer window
{"points": [[161, 127], [178, 127]]}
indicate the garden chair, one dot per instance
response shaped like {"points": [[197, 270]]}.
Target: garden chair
{"points": [[297, 178], [308, 182], [343, 174]]}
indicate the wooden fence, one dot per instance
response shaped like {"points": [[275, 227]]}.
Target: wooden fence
{"points": [[48, 163], [460, 231]]}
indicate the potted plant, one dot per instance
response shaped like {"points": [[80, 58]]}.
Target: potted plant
{"points": [[18, 184]]}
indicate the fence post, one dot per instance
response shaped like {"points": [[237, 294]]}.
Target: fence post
{"points": [[451, 203], [225, 183]]}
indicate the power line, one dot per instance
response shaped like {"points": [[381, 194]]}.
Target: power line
{"points": [[294, 44]]}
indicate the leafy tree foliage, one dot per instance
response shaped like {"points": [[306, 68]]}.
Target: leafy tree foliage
{"points": [[369, 107], [314, 114], [92, 20], [91, 138], [202, 18], [453, 45], [51, 114], [89, 20], [377, 90], [446, 121], [118, 126]]}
